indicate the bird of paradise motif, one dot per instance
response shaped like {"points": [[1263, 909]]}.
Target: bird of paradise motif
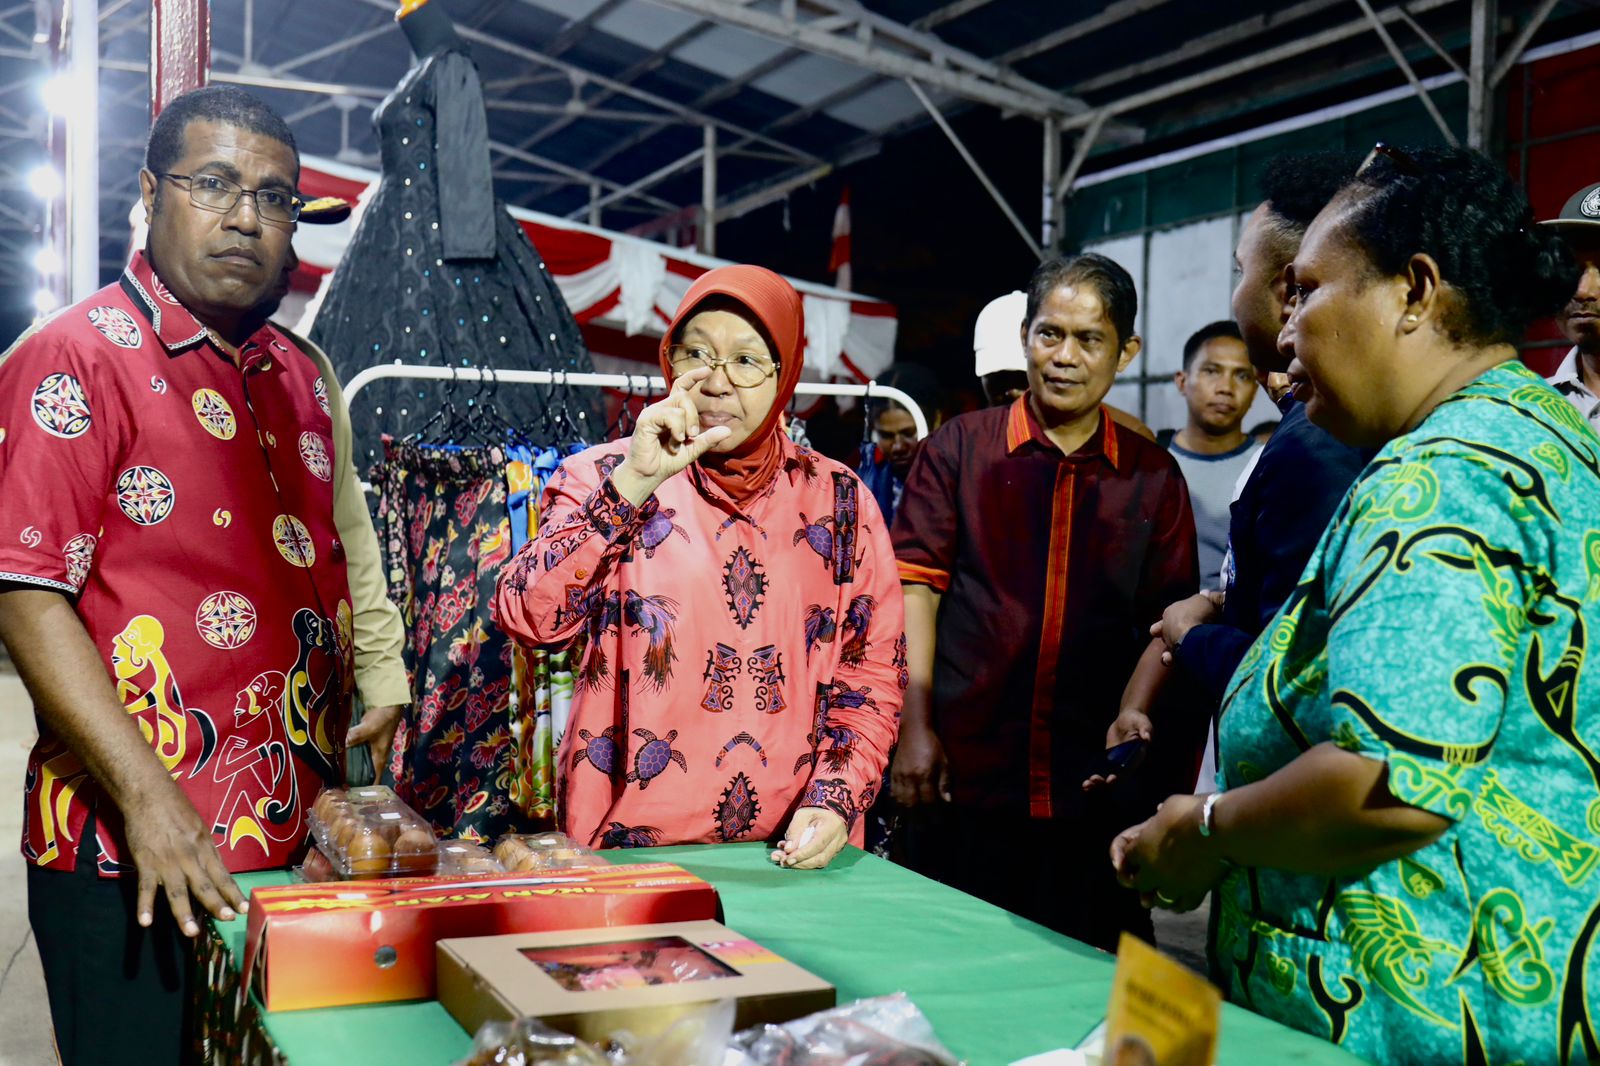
{"points": [[834, 694], [653, 617], [820, 627], [603, 612], [618, 835], [1389, 946], [857, 620]]}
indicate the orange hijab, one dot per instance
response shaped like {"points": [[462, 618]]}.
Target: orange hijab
{"points": [[774, 308]]}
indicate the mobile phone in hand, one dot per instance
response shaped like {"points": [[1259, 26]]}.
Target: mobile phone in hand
{"points": [[1121, 759]]}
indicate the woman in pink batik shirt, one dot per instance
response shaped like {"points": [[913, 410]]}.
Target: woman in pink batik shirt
{"points": [[732, 599]]}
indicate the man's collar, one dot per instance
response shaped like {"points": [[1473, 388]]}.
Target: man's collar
{"points": [[1569, 375], [174, 326], [1022, 429], [177, 329]]}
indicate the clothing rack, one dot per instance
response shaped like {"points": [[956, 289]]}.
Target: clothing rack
{"points": [[640, 383]]}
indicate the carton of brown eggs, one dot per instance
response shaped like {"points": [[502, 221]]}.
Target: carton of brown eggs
{"points": [[535, 852], [370, 832]]}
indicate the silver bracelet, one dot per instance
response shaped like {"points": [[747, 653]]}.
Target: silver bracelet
{"points": [[1205, 813]]}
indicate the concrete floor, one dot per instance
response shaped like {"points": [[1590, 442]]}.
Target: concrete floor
{"points": [[24, 1013]]}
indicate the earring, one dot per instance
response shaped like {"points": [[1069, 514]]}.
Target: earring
{"points": [[1411, 318]]}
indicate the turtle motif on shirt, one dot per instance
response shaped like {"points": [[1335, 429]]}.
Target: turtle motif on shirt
{"points": [[657, 529], [818, 536], [600, 751], [652, 757]]}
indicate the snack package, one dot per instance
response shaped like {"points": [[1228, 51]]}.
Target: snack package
{"points": [[884, 1031], [533, 852], [369, 832]]}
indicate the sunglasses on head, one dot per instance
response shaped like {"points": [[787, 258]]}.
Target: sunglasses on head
{"points": [[1401, 161]]}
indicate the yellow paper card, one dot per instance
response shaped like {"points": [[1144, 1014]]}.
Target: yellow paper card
{"points": [[1161, 1012]]}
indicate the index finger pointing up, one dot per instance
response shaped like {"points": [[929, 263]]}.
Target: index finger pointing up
{"points": [[684, 382]]}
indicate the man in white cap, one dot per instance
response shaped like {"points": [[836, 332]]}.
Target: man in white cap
{"points": [[1001, 362], [1578, 376]]}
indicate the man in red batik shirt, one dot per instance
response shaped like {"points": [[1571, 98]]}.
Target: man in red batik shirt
{"points": [[173, 583], [1037, 543]]}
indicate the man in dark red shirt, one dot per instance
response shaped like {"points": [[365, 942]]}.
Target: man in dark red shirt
{"points": [[1037, 543], [173, 584]]}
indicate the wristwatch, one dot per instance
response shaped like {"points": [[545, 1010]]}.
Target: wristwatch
{"points": [[1205, 813]]}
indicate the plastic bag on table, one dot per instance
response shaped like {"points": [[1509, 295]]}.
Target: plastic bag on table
{"points": [[698, 1038], [529, 1042], [885, 1031]]}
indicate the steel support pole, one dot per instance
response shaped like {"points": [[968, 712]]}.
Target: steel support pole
{"points": [[180, 49], [1480, 89], [83, 150], [983, 179], [1400, 60], [708, 193], [594, 204], [1513, 52], [1049, 211]]}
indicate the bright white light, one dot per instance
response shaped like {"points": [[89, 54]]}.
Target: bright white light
{"points": [[44, 301], [47, 261], [62, 95], [45, 181]]}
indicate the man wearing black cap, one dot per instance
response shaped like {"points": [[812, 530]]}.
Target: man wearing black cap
{"points": [[1578, 376]]}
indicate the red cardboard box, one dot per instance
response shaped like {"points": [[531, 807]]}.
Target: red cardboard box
{"points": [[346, 942]]}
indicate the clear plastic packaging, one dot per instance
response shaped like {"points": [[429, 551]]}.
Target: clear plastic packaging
{"points": [[884, 1031], [462, 858], [369, 832], [536, 852], [699, 1038]]}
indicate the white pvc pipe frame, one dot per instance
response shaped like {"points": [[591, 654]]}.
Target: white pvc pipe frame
{"points": [[636, 382]]}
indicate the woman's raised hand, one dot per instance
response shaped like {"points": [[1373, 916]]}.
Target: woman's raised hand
{"points": [[666, 439]]}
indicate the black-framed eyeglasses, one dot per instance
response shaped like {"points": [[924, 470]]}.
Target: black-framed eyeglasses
{"points": [[213, 193], [745, 370], [1402, 162]]}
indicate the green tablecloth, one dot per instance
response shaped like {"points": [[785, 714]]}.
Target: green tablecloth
{"points": [[995, 987]]}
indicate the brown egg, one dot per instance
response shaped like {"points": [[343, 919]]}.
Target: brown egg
{"points": [[389, 828], [368, 854], [326, 802], [416, 851], [512, 853], [344, 830]]}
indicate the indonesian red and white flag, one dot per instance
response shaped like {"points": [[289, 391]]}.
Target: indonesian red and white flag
{"points": [[839, 260]]}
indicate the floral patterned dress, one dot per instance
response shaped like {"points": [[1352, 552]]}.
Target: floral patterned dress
{"points": [[731, 664], [1442, 626], [446, 532]]}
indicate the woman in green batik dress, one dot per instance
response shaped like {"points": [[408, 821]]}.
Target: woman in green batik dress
{"points": [[1406, 851]]}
